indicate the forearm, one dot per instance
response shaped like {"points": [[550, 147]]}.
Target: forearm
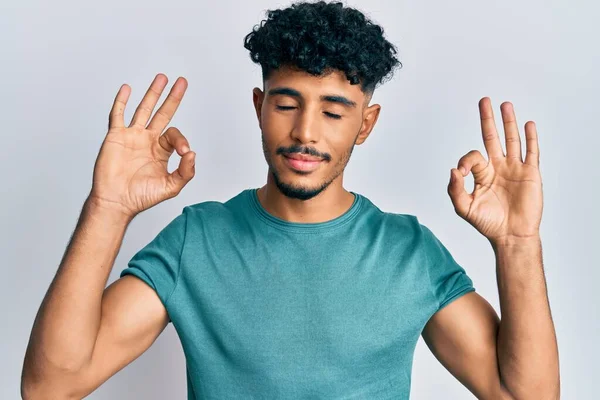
{"points": [[67, 323], [526, 343]]}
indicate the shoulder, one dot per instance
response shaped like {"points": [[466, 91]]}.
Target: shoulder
{"points": [[377, 212], [214, 211], [398, 228], [407, 223]]}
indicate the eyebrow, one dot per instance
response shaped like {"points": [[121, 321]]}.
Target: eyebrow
{"points": [[286, 91]]}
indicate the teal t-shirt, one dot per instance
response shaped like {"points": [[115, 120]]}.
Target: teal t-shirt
{"points": [[270, 309]]}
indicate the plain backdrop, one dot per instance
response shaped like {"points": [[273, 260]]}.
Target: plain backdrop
{"points": [[63, 62]]}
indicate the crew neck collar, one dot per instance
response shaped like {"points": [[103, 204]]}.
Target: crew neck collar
{"points": [[301, 227]]}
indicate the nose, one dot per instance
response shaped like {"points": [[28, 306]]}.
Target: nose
{"points": [[307, 127]]}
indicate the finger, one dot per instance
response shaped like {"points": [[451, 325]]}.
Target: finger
{"points": [[184, 172], [172, 140], [144, 110], [472, 161], [511, 131], [488, 129], [115, 118], [531, 138], [461, 200], [165, 113]]}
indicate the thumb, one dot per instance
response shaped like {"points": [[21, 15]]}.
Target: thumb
{"points": [[184, 172], [459, 196]]}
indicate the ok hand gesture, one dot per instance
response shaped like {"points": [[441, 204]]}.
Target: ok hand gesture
{"points": [[506, 203], [130, 174]]}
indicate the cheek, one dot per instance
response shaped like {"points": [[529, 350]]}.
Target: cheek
{"points": [[276, 125], [342, 141]]}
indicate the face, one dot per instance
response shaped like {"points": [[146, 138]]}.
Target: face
{"points": [[309, 127]]}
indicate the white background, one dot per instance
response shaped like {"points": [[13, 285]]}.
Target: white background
{"points": [[63, 62]]}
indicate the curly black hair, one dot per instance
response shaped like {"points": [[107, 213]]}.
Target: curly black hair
{"points": [[321, 37]]}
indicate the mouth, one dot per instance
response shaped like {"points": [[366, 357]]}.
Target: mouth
{"points": [[302, 163]]}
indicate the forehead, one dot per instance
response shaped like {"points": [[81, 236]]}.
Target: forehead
{"points": [[311, 86]]}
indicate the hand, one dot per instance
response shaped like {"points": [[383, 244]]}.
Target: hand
{"points": [[130, 174], [506, 203]]}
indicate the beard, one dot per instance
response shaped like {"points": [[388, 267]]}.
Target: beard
{"points": [[304, 192]]}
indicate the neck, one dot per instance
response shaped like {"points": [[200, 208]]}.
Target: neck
{"points": [[327, 205]]}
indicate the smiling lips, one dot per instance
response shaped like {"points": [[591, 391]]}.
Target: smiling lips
{"points": [[302, 162]]}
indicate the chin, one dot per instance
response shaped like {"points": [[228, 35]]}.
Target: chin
{"points": [[302, 189]]}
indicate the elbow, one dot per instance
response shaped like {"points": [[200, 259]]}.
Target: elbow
{"points": [[34, 389], [542, 391], [533, 383], [48, 384], [45, 390]]}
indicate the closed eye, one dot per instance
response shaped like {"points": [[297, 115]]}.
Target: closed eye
{"points": [[285, 107], [330, 115]]}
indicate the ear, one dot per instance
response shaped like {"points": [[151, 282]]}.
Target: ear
{"points": [[370, 115], [258, 97]]}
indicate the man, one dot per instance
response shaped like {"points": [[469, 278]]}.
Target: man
{"points": [[299, 289]]}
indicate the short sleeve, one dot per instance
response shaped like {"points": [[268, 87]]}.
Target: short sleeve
{"points": [[158, 262], [448, 279]]}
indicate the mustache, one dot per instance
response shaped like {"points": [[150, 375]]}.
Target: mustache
{"points": [[303, 150]]}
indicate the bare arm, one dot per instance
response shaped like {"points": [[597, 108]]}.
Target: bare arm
{"points": [[462, 336], [512, 358], [506, 207], [84, 333], [527, 346]]}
